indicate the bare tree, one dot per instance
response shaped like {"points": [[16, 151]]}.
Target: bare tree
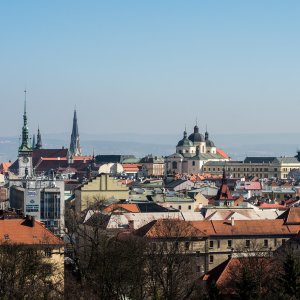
{"points": [[25, 273]]}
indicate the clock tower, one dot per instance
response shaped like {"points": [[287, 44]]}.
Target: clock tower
{"points": [[25, 150]]}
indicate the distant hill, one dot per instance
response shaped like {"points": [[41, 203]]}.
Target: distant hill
{"points": [[236, 145]]}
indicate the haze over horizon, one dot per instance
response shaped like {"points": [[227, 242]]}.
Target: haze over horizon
{"points": [[150, 67]]}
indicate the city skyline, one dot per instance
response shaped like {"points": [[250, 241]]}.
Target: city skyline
{"points": [[150, 67]]}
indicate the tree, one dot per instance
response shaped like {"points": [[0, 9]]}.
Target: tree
{"points": [[290, 277], [26, 273], [253, 273], [170, 263]]}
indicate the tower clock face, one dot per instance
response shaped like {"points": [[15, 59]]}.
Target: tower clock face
{"points": [[25, 159]]}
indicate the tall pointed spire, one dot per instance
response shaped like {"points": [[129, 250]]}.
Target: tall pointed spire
{"points": [[25, 145], [39, 143], [75, 141], [33, 142]]}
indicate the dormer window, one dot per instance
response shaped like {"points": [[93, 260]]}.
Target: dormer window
{"points": [[6, 237]]}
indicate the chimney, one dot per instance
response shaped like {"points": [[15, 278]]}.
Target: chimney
{"points": [[30, 221], [131, 224], [232, 221]]}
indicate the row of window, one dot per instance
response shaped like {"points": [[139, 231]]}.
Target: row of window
{"points": [[241, 169], [247, 243], [179, 207]]}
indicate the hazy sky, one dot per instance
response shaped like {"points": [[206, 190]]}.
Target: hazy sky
{"points": [[150, 66]]}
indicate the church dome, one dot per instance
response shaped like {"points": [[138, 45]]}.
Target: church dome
{"points": [[185, 142], [196, 136], [208, 142]]}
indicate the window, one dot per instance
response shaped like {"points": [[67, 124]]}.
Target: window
{"points": [[247, 243], [194, 163], [190, 207], [6, 237], [211, 244], [211, 259], [48, 252], [219, 243], [179, 207], [229, 243], [174, 165], [275, 242], [283, 241], [266, 242], [198, 253], [187, 245]]}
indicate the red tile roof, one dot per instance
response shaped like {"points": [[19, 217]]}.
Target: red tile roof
{"points": [[169, 228], [133, 208], [291, 216], [271, 205], [222, 153], [17, 231], [252, 185], [131, 167], [225, 274], [4, 166], [246, 227]]}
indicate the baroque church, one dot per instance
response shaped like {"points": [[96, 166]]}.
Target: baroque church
{"points": [[192, 152]]}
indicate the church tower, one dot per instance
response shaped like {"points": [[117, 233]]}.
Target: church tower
{"points": [[75, 142], [39, 143], [25, 149]]}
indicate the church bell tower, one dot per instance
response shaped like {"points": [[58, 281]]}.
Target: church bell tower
{"points": [[25, 149]]}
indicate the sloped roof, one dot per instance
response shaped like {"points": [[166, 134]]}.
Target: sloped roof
{"points": [[246, 227], [271, 206], [170, 228], [288, 160], [174, 183], [227, 215], [128, 207], [5, 166], [291, 216], [251, 185], [141, 219], [131, 167], [222, 153], [38, 153], [205, 156], [259, 160], [222, 275], [17, 231], [151, 207]]}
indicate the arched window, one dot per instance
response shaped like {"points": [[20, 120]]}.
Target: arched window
{"points": [[174, 165]]}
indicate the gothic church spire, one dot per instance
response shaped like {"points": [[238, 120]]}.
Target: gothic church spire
{"points": [[39, 143], [75, 141]]}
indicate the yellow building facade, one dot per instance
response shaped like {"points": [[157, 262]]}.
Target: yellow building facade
{"points": [[101, 188]]}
